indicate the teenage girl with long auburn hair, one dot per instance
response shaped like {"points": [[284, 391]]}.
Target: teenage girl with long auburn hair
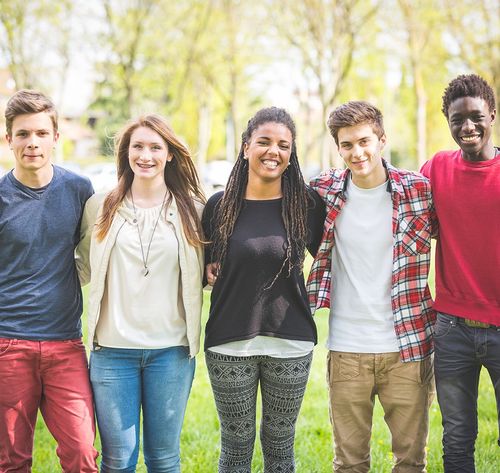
{"points": [[146, 265], [260, 329]]}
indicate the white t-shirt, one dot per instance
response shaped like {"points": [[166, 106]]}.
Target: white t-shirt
{"points": [[263, 345], [361, 317]]}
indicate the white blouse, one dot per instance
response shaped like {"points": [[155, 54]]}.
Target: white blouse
{"points": [[143, 311]]}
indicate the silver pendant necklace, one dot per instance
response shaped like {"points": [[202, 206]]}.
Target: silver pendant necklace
{"points": [[145, 270]]}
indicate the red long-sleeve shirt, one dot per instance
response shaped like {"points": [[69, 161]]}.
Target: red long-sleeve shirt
{"points": [[467, 202]]}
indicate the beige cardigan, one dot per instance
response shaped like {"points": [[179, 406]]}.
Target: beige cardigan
{"points": [[92, 258]]}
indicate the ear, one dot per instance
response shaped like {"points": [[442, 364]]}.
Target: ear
{"points": [[170, 156], [8, 138], [383, 141], [245, 150], [493, 116], [56, 137]]}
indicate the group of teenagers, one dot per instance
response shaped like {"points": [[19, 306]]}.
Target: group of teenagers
{"points": [[149, 246]]}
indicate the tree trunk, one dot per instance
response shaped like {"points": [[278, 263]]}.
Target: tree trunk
{"points": [[231, 134], [204, 128], [421, 97]]}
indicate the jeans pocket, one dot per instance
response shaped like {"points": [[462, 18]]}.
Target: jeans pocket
{"points": [[75, 343], [443, 325], [5, 344], [426, 370], [346, 366], [185, 351], [328, 368]]}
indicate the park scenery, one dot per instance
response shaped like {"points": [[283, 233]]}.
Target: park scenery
{"points": [[313, 442], [209, 65]]}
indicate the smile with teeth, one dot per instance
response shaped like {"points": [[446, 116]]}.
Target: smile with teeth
{"points": [[470, 138], [270, 164], [145, 166]]}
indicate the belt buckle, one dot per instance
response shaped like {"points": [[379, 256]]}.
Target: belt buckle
{"points": [[476, 324]]}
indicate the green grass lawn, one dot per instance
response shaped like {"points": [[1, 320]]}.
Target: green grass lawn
{"points": [[200, 437]]}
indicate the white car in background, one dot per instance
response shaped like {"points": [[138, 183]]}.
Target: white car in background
{"points": [[102, 175], [73, 167], [214, 175]]}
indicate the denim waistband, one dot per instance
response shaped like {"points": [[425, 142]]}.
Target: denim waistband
{"points": [[467, 322]]}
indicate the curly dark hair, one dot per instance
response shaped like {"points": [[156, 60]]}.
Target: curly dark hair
{"points": [[468, 85], [294, 204]]}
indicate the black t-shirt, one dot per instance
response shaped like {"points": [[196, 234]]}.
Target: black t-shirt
{"points": [[242, 303]]}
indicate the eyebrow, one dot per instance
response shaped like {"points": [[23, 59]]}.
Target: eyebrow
{"points": [[359, 139], [148, 142], [22, 130], [475, 111], [265, 137]]}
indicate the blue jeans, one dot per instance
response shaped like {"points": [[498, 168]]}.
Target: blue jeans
{"points": [[461, 352], [123, 381]]}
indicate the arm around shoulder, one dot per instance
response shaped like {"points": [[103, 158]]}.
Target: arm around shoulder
{"points": [[82, 253], [316, 215]]}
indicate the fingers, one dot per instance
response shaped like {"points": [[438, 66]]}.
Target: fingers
{"points": [[211, 270]]}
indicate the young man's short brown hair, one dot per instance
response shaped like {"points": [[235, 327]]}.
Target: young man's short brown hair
{"points": [[29, 101], [355, 112]]}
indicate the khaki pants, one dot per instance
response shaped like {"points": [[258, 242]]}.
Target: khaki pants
{"points": [[405, 391]]}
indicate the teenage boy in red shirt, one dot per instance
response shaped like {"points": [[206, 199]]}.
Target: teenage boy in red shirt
{"points": [[466, 189]]}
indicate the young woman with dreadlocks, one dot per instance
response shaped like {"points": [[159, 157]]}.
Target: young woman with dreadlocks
{"points": [[260, 329]]}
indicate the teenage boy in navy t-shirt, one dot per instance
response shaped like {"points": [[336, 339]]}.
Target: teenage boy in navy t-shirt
{"points": [[43, 364]]}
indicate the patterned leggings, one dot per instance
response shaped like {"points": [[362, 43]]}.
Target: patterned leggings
{"points": [[234, 382]]}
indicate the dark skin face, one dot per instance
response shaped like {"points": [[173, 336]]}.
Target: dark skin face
{"points": [[470, 121]]}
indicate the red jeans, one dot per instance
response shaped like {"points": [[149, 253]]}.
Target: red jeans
{"points": [[52, 376]]}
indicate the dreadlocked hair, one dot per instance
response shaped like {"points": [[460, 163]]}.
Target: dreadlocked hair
{"points": [[294, 203]]}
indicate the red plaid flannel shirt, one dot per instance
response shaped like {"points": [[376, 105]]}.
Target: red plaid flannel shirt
{"points": [[413, 223]]}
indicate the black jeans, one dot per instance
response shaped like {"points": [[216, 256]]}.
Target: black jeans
{"points": [[461, 352]]}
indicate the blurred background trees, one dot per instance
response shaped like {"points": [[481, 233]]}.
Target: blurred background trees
{"points": [[208, 65]]}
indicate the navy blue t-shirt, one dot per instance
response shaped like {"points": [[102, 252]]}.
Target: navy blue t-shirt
{"points": [[40, 294]]}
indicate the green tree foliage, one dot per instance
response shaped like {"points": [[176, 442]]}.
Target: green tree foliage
{"points": [[208, 64], [473, 32], [326, 35], [31, 61]]}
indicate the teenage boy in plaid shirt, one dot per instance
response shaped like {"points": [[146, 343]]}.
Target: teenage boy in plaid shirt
{"points": [[371, 270]]}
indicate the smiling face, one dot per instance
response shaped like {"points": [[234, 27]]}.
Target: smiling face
{"points": [[361, 150], [470, 121], [268, 152], [147, 154], [32, 141]]}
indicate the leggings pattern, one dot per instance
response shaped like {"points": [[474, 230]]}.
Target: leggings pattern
{"points": [[234, 382]]}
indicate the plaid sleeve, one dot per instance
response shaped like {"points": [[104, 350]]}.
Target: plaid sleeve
{"points": [[327, 185], [411, 299]]}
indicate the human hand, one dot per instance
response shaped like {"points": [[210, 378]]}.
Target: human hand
{"points": [[212, 269]]}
